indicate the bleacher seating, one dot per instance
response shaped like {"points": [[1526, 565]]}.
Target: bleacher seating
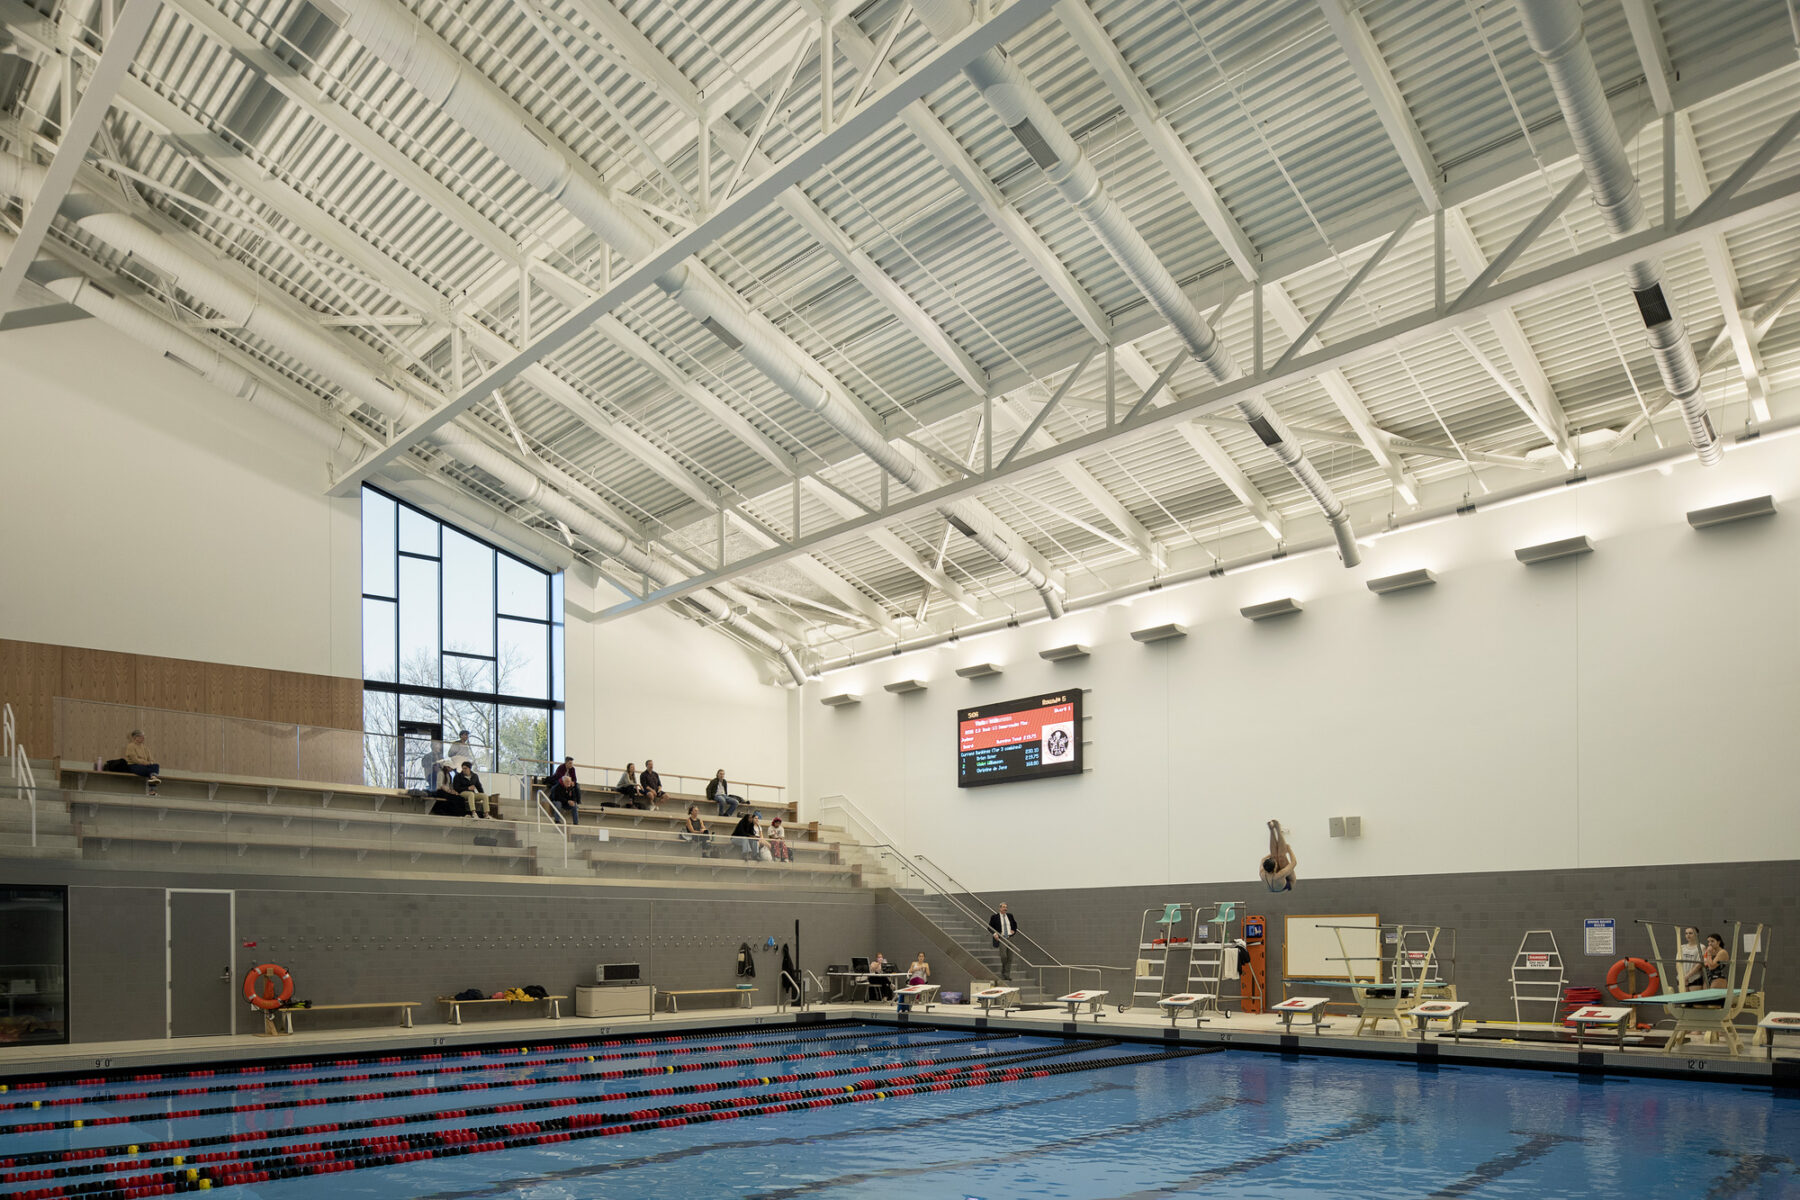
{"points": [[246, 822]]}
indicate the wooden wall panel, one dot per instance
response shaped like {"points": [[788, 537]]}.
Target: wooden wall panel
{"points": [[240, 691], [99, 675], [171, 683], [30, 674], [345, 708], [302, 699]]}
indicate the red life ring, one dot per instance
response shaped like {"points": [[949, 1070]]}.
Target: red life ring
{"points": [[1651, 984], [262, 996]]}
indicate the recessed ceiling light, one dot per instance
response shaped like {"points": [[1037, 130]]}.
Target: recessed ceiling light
{"points": [[1550, 551]]}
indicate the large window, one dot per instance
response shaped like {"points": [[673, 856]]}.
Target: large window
{"points": [[457, 634]]}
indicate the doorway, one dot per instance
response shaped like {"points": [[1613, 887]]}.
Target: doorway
{"points": [[202, 984]]}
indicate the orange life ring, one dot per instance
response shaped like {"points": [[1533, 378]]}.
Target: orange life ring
{"points": [[1651, 985], [262, 996]]}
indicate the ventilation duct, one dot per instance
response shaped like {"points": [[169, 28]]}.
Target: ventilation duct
{"points": [[1553, 27], [207, 283], [396, 37], [1017, 103]]}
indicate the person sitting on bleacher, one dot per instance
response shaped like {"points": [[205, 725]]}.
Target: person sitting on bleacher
{"points": [[565, 792], [747, 837], [467, 785], [138, 761], [719, 792], [630, 789], [694, 830], [776, 841], [652, 783]]}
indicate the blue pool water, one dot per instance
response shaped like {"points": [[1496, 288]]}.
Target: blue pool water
{"points": [[1222, 1124]]}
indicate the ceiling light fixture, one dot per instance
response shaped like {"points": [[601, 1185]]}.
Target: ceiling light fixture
{"points": [[1550, 551], [1287, 606], [1402, 582], [1738, 510]]}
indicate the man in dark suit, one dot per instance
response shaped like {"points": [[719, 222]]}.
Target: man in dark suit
{"points": [[1003, 926]]}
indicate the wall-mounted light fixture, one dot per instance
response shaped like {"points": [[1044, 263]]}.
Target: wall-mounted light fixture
{"points": [[903, 687], [841, 700], [1066, 653], [1287, 606], [978, 670], [1159, 633], [1402, 582], [1551, 551], [1739, 510]]}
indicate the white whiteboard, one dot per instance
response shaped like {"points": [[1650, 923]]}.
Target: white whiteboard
{"points": [[1310, 950]]}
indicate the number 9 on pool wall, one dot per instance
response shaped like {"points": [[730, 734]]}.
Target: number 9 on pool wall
{"points": [[1019, 739]]}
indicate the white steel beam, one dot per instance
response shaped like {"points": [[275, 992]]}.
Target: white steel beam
{"points": [[1208, 448], [1103, 54], [1545, 410], [641, 55], [78, 131], [968, 175], [1777, 200], [942, 65], [1384, 94], [1337, 386]]}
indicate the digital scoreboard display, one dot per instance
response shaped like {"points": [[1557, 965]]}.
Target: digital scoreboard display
{"points": [[1019, 739]]}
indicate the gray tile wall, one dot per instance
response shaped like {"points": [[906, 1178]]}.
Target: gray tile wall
{"points": [[349, 940], [1489, 912]]}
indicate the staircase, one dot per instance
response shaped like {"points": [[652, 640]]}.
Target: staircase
{"points": [[969, 943], [55, 831]]}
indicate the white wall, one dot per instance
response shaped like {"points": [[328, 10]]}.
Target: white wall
{"points": [[141, 510], [653, 685], [1634, 706]]}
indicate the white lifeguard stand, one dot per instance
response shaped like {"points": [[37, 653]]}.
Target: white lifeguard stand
{"points": [[1157, 934]]}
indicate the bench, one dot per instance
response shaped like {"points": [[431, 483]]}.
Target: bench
{"points": [[746, 991], [405, 1007], [388, 824], [850, 873], [456, 1006], [175, 839], [83, 772]]}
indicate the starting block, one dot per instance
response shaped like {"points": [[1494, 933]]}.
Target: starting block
{"points": [[1439, 1010], [1184, 1004], [1006, 997], [917, 993], [1299, 1006], [1092, 999], [1774, 1023], [1601, 1018]]}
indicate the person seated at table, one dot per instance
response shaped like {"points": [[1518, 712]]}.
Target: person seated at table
{"points": [[565, 791], [747, 835], [630, 789], [651, 782], [466, 784], [920, 971], [694, 830], [137, 760], [719, 792], [776, 842], [880, 986]]}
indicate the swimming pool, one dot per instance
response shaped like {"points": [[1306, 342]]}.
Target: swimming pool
{"points": [[835, 1112]]}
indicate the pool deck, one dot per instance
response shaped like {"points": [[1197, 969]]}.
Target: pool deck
{"points": [[1257, 1033]]}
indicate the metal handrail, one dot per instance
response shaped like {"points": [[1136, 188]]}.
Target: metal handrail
{"points": [[607, 773], [869, 824], [1050, 959], [541, 800], [24, 779]]}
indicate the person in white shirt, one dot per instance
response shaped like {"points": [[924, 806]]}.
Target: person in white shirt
{"points": [[454, 756]]}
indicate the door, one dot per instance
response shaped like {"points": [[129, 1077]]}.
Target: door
{"points": [[202, 986], [421, 745]]}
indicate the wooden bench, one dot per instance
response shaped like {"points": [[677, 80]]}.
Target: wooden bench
{"points": [[405, 1007], [675, 996], [456, 1006], [83, 772], [390, 823]]}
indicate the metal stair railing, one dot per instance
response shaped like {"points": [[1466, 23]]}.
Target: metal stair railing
{"points": [[24, 780]]}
